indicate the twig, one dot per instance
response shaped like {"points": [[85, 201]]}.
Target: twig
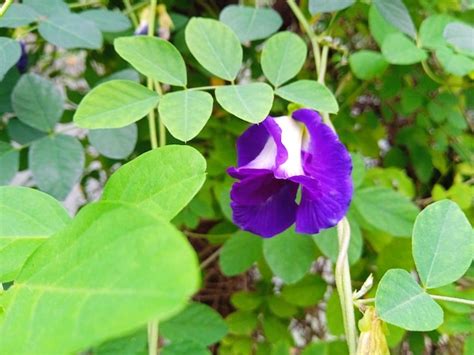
{"points": [[5, 7]]}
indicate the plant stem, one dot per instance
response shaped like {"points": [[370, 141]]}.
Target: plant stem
{"points": [[309, 31], [210, 258], [5, 7], [85, 4], [131, 13], [343, 284], [211, 87], [153, 335], [162, 127], [323, 66], [453, 299]]}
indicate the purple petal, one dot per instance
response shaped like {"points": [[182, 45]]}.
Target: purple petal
{"points": [[327, 186], [250, 144], [264, 205]]}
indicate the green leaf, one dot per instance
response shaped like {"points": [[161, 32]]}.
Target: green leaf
{"points": [[402, 302], [18, 15], [70, 31], [280, 307], [460, 36], [215, 46], [398, 49], [318, 6], [106, 20], [22, 133], [153, 57], [48, 7], [185, 348], [396, 13], [246, 301], [310, 94], [239, 252], [442, 244], [327, 242], [9, 161], [56, 163], [395, 218], [10, 52], [275, 330], [358, 169], [185, 113], [307, 292], [164, 191], [251, 23], [197, 322], [115, 143], [250, 102], [367, 65], [37, 102], [431, 31], [27, 218], [115, 104], [133, 344], [289, 255], [379, 27], [454, 63], [6, 86], [241, 322], [283, 56], [107, 273]]}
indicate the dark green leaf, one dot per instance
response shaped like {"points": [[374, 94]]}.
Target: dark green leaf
{"points": [[10, 52], [106, 20], [18, 15], [115, 143], [9, 162], [396, 13], [367, 65], [239, 253], [318, 6]]}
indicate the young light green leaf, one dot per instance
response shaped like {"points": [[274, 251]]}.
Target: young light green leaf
{"points": [[115, 104], [215, 46], [153, 57], [18, 15], [396, 13], [454, 63], [395, 218], [251, 23], [97, 273], [431, 31], [48, 7], [70, 31], [57, 163], [402, 302], [250, 102], [327, 242], [185, 113], [197, 322], [398, 49], [239, 253], [310, 94], [27, 218], [37, 102], [460, 36], [367, 65], [289, 255], [319, 6], [9, 161], [164, 191], [442, 244], [115, 143], [106, 20], [283, 56], [10, 52]]}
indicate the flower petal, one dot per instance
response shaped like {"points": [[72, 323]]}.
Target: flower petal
{"points": [[264, 205], [327, 187], [288, 136]]}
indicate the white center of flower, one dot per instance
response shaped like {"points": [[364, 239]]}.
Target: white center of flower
{"points": [[292, 139]]}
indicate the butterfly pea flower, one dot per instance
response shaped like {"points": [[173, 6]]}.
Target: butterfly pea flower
{"points": [[22, 63], [278, 157]]}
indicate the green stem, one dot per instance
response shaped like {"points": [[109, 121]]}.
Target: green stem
{"points": [[343, 284], [161, 125], [309, 31], [430, 73], [453, 299], [85, 4], [5, 7], [131, 12], [211, 87], [153, 335], [324, 62]]}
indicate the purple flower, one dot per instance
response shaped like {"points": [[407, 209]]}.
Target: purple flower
{"points": [[278, 156], [22, 63]]}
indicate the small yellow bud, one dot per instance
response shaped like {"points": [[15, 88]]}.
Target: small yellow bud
{"points": [[372, 338]]}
